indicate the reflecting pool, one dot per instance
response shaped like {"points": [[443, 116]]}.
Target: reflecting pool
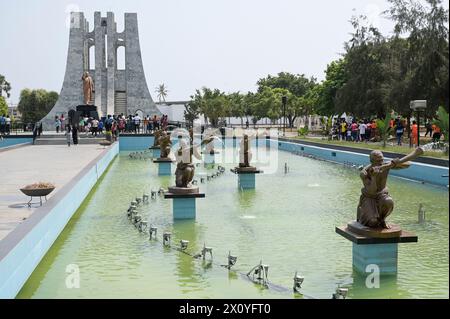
{"points": [[288, 222]]}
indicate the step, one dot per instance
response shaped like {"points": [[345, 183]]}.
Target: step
{"points": [[63, 141]]}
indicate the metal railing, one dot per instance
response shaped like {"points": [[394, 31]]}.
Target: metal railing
{"points": [[16, 128]]}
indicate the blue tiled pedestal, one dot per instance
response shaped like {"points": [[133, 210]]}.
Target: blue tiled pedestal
{"points": [[370, 250], [246, 177], [385, 256], [156, 151], [184, 205], [164, 166], [209, 159]]}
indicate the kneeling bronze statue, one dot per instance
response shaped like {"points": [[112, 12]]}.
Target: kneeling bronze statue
{"points": [[375, 203]]}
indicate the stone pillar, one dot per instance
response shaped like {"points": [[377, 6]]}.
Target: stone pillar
{"points": [[107, 80], [138, 95], [72, 90], [111, 63]]}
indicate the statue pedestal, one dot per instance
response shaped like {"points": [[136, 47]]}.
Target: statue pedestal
{"points": [[246, 176], [209, 159], [375, 246], [164, 166], [156, 151], [184, 206]]}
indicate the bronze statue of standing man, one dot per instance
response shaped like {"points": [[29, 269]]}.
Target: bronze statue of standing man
{"points": [[375, 203], [88, 88]]}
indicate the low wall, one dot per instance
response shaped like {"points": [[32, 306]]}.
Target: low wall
{"points": [[421, 172], [135, 142], [9, 142], [22, 250]]}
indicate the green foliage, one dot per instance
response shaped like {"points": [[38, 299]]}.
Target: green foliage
{"points": [[297, 88], [303, 131], [327, 123], [384, 128], [3, 106], [325, 93], [213, 104], [35, 104], [297, 84], [380, 72], [364, 91], [376, 73], [442, 121], [424, 58]]}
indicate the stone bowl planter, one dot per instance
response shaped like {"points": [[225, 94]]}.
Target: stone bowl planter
{"points": [[37, 192]]}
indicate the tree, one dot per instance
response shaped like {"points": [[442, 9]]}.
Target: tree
{"points": [[425, 59], [162, 92], [213, 104], [237, 105], [364, 92], [296, 84], [3, 106], [5, 86], [442, 122], [325, 92], [191, 112], [296, 87], [384, 128], [35, 104]]}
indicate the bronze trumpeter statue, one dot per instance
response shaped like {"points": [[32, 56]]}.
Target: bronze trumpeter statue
{"points": [[157, 135], [165, 144], [245, 153], [375, 203], [185, 171]]}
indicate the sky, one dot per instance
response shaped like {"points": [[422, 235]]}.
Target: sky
{"points": [[187, 44]]}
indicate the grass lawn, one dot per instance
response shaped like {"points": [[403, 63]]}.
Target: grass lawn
{"points": [[373, 146]]}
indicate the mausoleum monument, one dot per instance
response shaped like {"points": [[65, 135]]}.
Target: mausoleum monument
{"points": [[115, 91]]}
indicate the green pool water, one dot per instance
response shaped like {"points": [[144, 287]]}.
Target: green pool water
{"points": [[288, 222]]}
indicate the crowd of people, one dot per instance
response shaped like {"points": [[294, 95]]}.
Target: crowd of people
{"points": [[367, 130], [110, 126]]}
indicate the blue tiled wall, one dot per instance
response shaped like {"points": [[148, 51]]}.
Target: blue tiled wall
{"points": [[135, 143], [417, 171], [6, 142]]}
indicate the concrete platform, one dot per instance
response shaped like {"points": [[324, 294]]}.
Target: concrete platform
{"points": [[57, 164]]}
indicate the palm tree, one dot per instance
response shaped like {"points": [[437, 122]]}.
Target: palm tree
{"points": [[162, 92]]}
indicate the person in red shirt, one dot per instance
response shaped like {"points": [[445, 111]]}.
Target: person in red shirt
{"points": [[414, 133], [354, 128], [436, 133]]}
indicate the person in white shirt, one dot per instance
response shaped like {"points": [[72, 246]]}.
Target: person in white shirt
{"points": [[362, 131], [94, 127], [137, 123]]}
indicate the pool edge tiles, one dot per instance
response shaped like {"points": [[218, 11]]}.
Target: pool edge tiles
{"points": [[10, 143], [23, 249], [420, 172]]}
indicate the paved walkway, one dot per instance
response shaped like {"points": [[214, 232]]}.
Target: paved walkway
{"points": [[56, 164]]}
